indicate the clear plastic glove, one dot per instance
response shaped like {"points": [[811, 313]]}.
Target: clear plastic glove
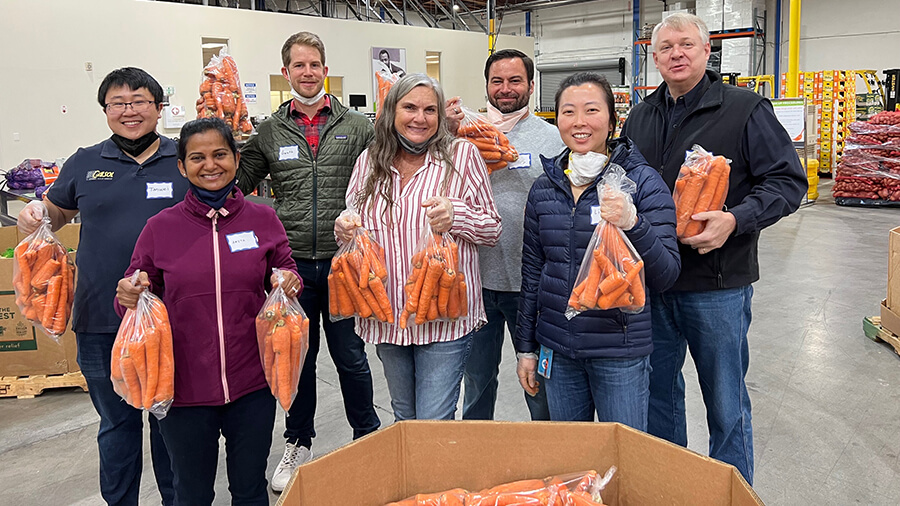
{"points": [[440, 213], [128, 293], [344, 225], [31, 216], [526, 369], [616, 208]]}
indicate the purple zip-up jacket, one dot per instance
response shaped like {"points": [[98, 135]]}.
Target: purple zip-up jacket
{"points": [[212, 270]]}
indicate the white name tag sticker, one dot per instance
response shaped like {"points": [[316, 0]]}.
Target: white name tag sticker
{"points": [[241, 241], [523, 162], [159, 190], [595, 215], [289, 152]]}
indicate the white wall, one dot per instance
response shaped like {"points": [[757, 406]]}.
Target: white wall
{"points": [[47, 42]]}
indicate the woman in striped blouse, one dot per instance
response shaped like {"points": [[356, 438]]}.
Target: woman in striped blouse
{"points": [[416, 174]]}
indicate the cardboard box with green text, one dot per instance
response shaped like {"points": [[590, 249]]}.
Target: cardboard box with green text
{"points": [[25, 350], [425, 456]]}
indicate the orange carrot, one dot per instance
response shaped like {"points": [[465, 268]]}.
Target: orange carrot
{"points": [[463, 300], [608, 300], [360, 306], [448, 277], [414, 286], [53, 290], [429, 289], [59, 321], [632, 277], [433, 312], [132, 382], [592, 282], [151, 350], [281, 343], [345, 303], [44, 273], [373, 304], [381, 297], [165, 386], [576, 295], [333, 307], [685, 205], [611, 282]]}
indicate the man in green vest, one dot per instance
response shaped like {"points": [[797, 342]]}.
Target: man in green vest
{"points": [[308, 147]]}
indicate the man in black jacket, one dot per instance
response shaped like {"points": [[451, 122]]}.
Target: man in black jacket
{"points": [[708, 309]]}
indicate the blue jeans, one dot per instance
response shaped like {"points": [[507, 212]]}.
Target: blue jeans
{"points": [[424, 380], [192, 433], [483, 365], [347, 351], [121, 433], [713, 325], [617, 389]]}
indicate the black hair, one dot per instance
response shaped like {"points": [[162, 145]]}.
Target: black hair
{"points": [[597, 80], [132, 77], [199, 126], [384, 51], [506, 54]]}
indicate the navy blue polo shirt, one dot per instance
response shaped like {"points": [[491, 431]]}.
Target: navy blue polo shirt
{"points": [[115, 196]]}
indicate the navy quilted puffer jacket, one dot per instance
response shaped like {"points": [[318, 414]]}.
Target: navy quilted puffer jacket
{"points": [[557, 231]]}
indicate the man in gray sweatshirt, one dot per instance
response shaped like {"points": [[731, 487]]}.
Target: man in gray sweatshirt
{"points": [[510, 83]]}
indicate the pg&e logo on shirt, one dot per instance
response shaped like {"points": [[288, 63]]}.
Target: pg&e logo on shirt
{"points": [[100, 175]]}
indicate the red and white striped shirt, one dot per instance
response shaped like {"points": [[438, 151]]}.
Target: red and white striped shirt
{"points": [[475, 222]]}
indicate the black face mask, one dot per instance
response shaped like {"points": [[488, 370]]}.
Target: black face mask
{"points": [[214, 199], [412, 147], [134, 147]]}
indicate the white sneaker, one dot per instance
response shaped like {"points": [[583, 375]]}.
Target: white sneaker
{"points": [[294, 455]]}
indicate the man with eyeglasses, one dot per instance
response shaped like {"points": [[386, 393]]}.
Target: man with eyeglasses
{"points": [[116, 185]]}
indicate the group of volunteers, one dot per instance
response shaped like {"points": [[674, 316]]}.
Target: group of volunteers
{"points": [[176, 212]]}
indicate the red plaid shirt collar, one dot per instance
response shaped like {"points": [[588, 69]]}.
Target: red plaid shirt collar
{"points": [[310, 127]]}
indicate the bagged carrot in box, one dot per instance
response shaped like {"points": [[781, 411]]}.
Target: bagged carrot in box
{"points": [[491, 142], [44, 280], [436, 288], [702, 186], [612, 273], [143, 361], [357, 283], [282, 331]]}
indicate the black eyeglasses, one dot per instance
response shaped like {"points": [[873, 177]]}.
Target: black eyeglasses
{"points": [[136, 106]]}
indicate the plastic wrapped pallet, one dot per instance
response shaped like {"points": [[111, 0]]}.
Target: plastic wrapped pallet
{"points": [[869, 171], [736, 56], [711, 12], [739, 13]]}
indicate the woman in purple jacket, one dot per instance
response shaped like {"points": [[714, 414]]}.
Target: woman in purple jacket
{"points": [[210, 259]]}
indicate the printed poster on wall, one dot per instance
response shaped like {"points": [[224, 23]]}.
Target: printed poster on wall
{"points": [[388, 66]]}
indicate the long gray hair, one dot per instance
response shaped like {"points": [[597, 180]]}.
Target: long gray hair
{"points": [[386, 146]]}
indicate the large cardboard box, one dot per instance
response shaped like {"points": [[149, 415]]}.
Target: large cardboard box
{"points": [[421, 456], [24, 350], [893, 291]]}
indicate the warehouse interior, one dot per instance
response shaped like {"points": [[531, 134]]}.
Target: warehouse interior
{"points": [[824, 385]]}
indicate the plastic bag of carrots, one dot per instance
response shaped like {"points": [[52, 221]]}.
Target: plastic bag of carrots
{"points": [[223, 96], [576, 489], [282, 331], [143, 362], [385, 82], [44, 280], [436, 288], [702, 186], [491, 142], [358, 280], [612, 272]]}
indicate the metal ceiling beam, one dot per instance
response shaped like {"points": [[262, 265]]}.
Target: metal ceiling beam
{"points": [[449, 15], [423, 13], [540, 4], [475, 18], [353, 11]]}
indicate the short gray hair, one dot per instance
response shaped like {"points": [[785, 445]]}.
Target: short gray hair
{"points": [[681, 21]]}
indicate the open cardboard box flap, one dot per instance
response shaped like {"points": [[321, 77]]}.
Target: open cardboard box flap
{"points": [[430, 456]]}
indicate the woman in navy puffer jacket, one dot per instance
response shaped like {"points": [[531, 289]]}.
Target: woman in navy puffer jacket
{"points": [[599, 360]]}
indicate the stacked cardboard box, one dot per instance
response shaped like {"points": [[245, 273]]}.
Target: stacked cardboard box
{"points": [[737, 56], [24, 350], [711, 12], [739, 14], [890, 307]]}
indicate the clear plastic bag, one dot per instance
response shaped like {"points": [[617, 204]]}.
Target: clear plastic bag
{"points": [[702, 186], [222, 95], [358, 280], [44, 280], [436, 288], [385, 81], [611, 273], [143, 360], [575, 489], [282, 331], [869, 171], [491, 142]]}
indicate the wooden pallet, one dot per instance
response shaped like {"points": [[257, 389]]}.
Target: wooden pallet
{"points": [[26, 387], [874, 331]]}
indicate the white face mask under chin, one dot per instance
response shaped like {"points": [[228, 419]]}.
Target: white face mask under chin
{"points": [[584, 168], [308, 101]]}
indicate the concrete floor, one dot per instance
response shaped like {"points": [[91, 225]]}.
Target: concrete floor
{"points": [[826, 400]]}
